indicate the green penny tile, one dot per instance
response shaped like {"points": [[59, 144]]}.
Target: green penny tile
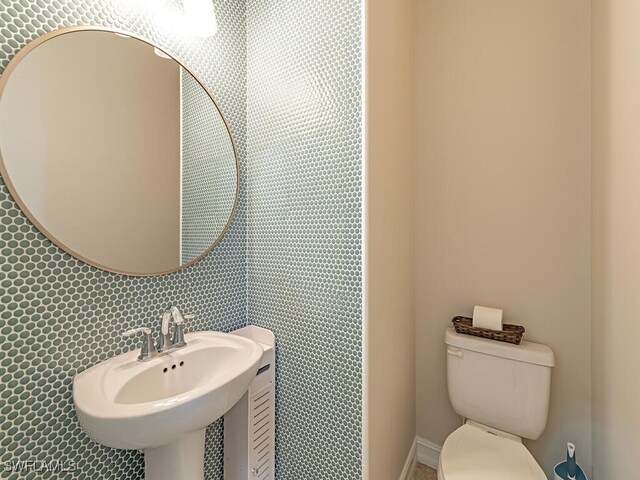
{"points": [[287, 73], [304, 184], [59, 316]]}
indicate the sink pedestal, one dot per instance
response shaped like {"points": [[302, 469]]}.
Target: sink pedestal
{"points": [[180, 460]]}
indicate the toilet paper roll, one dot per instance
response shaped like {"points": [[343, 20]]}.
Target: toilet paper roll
{"points": [[485, 317]]}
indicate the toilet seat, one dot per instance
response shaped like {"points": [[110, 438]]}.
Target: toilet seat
{"points": [[471, 453]]}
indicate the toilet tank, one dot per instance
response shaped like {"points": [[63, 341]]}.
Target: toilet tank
{"points": [[498, 384]]}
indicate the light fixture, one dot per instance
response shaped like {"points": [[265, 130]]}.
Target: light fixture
{"points": [[195, 18], [200, 18]]}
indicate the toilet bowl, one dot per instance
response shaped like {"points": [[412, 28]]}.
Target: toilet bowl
{"points": [[502, 391]]}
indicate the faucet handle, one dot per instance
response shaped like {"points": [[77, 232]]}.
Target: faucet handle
{"points": [[147, 343], [133, 331], [180, 321]]}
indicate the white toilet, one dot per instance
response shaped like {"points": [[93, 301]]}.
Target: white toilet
{"points": [[502, 392]]}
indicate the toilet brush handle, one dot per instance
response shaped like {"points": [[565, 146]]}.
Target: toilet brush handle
{"points": [[571, 461]]}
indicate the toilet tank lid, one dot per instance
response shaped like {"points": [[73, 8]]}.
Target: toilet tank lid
{"points": [[527, 352]]}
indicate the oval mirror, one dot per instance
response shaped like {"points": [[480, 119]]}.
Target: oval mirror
{"points": [[115, 151]]}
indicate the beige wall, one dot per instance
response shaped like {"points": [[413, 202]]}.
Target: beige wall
{"points": [[503, 194], [616, 238], [391, 236], [91, 139]]}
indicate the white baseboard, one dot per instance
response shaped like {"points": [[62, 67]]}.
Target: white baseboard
{"points": [[423, 451], [410, 465], [428, 453]]}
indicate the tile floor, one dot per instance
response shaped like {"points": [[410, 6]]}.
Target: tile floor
{"points": [[425, 473]]}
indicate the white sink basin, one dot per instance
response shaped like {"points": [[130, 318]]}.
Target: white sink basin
{"points": [[164, 405]]}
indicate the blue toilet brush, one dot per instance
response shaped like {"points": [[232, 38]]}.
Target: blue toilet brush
{"points": [[569, 470]]}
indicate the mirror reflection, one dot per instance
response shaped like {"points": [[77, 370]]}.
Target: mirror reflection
{"points": [[115, 151]]}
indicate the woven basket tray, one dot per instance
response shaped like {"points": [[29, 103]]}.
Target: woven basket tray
{"points": [[509, 333]]}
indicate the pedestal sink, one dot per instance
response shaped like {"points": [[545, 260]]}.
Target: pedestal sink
{"points": [[163, 405]]}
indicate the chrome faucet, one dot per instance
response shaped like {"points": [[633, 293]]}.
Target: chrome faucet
{"points": [[165, 343], [177, 341]]}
